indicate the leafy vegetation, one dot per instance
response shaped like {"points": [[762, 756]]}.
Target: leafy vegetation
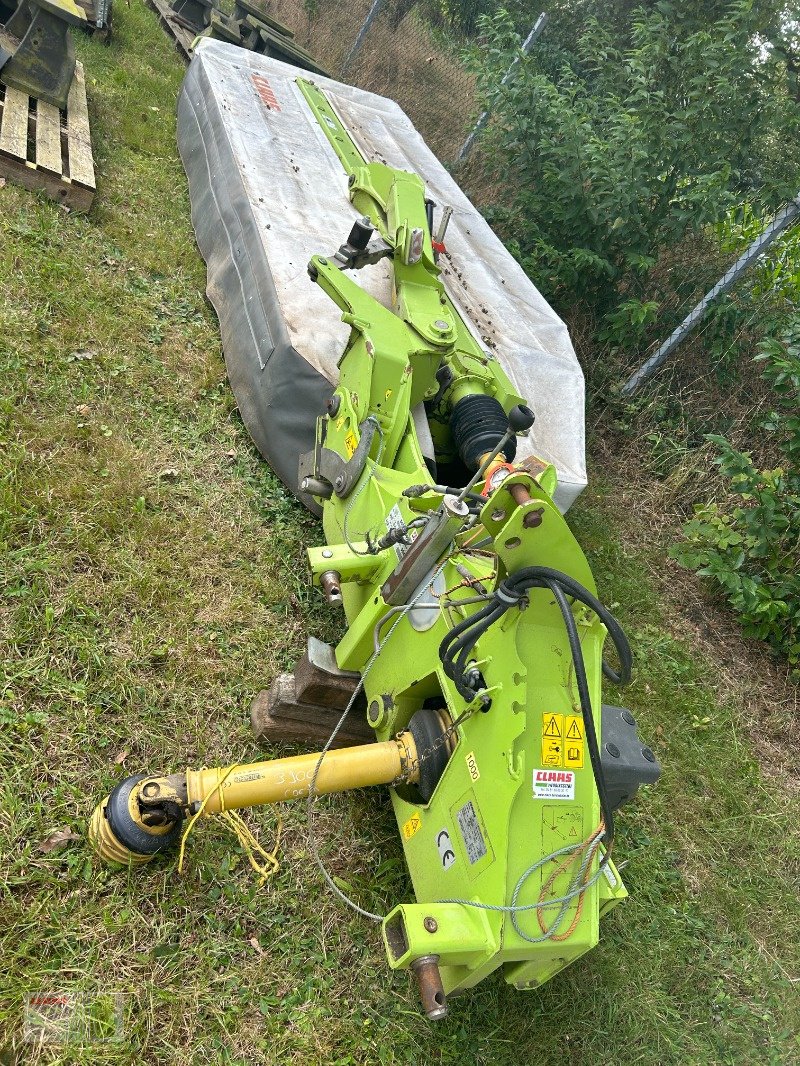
{"points": [[642, 147], [750, 546], [617, 143]]}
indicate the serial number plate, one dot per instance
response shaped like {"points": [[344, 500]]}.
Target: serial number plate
{"points": [[471, 832]]}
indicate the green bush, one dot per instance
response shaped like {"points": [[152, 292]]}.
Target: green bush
{"points": [[750, 547], [617, 146]]}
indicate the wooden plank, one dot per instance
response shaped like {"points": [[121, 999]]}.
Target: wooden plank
{"points": [[290, 731], [81, 164], [14, 129], [183, 38], [75, 197], [275, 714], [46, 174], [318, 679], [48, 137]]}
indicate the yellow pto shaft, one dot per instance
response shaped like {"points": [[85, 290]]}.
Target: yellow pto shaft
{"points": [[226, 788], [143, 815]]}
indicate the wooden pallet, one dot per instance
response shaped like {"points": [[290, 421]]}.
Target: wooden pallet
{"points": [[48, 150], [183, 37]]}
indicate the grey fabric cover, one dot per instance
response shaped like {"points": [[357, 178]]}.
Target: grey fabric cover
{"points": [[267, 193]]}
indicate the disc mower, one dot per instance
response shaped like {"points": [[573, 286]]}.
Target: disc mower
{"points": [[472, 623]]}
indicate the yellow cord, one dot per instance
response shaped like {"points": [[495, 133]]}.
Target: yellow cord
{"points": [[234, 821], [252, 847]]}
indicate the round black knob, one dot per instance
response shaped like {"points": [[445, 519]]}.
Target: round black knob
{"points": [[520, 418]]}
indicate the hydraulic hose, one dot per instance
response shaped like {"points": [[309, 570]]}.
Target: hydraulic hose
{"points": [[456, 649]]}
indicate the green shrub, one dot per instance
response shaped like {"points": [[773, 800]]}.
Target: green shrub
{"points": [[750, 547], [613, 147]]}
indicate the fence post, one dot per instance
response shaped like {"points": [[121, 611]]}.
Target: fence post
{"points": [[782, 221], [469, 143], [372, 14]]}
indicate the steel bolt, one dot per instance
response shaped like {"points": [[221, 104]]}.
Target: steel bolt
{"points": [[334, 403], [441, 325], [331, 585], [327, 553], [612, 750], [431, 925], [648, 755], [628, 717], [434, 1001], [374, 712], [533, 518]]}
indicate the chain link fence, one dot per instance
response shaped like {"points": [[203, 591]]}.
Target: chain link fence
{"points": [[405, 50]]}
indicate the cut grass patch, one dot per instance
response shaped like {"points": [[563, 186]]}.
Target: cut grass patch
{"points": [[154, 580]]}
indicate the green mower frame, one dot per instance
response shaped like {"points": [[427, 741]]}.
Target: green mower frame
{"points": [[472, 619]]}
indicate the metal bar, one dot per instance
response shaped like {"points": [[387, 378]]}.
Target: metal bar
{"points": [[527, 44], [372, 14], [331, 125], [224, 788], [782, 221]]}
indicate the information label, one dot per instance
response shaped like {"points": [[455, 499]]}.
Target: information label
{"points": [[471, 832], [554, 784], [573, 742], [553, 740]]}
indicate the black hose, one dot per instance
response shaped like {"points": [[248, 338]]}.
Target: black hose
{"points": [[457, 646], [586, 710]]}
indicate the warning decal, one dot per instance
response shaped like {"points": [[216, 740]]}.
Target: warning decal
{"points": [[574, 727], [553, 740], [553, 726], [573, 742], [565, 824], [264, 90], [350, 443], [553, 784], [410, 827]]}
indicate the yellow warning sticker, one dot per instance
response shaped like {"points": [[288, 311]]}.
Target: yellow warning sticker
{"points": [[472, 766], [573, 727], [573, 742], [552, 752], [553, 726], [413, 825], [553, 740], [350, 443]]}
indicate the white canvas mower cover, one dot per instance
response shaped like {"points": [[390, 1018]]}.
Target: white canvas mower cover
{"points": [[268, 192]]}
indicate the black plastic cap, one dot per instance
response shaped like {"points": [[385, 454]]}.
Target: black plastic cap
{"points": [[521, 418], [127, 831], [360, 235]]}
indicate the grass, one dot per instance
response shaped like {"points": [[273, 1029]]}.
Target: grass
{"points": [[154, 580]]}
